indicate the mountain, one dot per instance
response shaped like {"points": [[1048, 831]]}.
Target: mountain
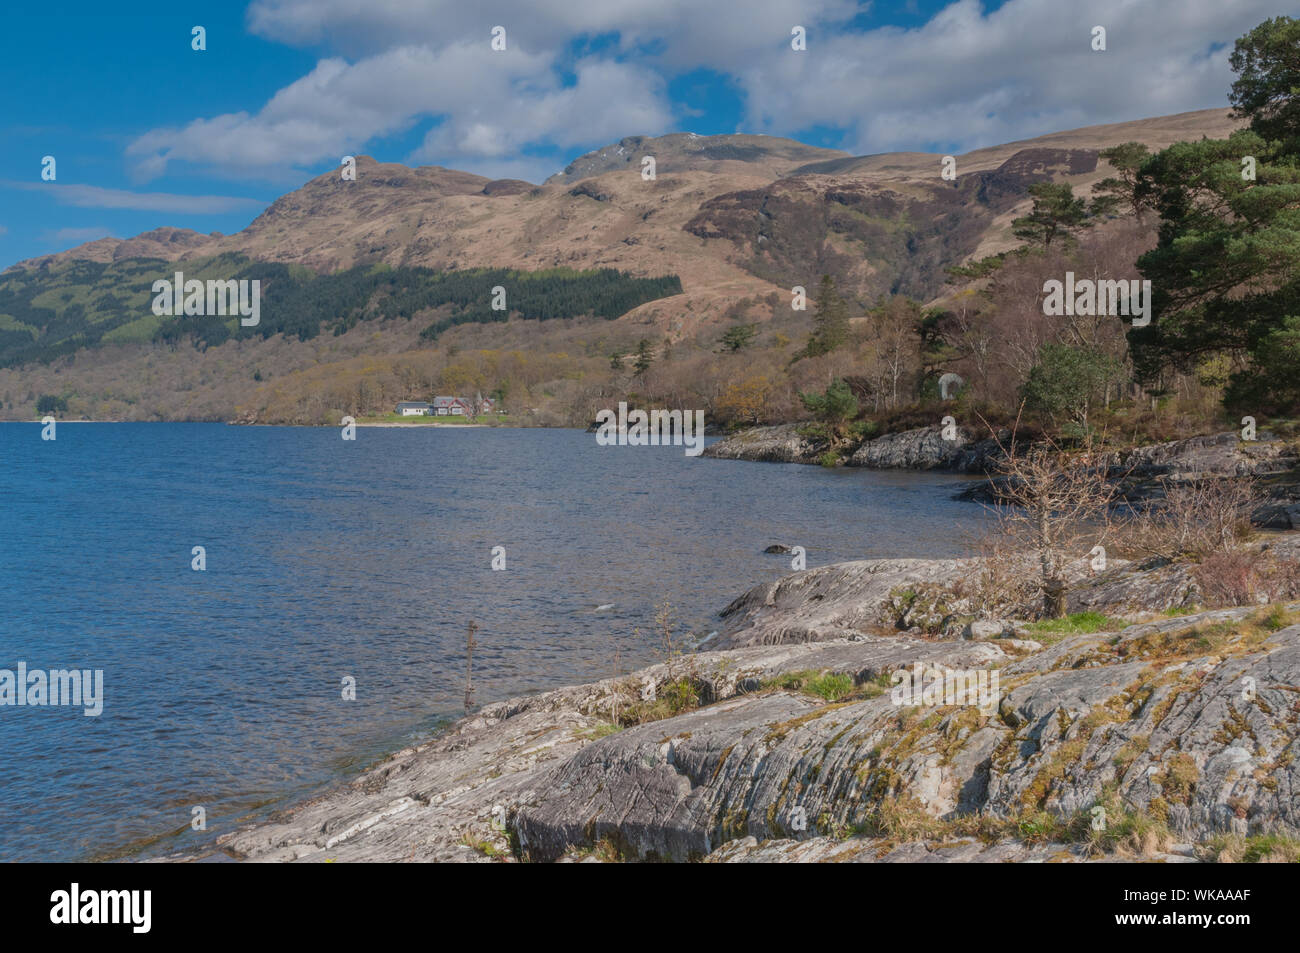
{"points": [[720, 213], [166, 243], [738, 219], [683, 151]]}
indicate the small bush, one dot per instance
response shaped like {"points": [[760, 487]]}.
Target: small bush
{"points": [[1245, 578], [1227, 579], [1195, 520], [831, 687], [674, 698]]}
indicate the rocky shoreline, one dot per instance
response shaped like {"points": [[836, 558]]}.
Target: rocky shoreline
{"points": [[1140, 472], [779, 741]]}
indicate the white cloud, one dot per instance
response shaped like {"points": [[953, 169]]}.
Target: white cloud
{"points": [[491, 105], [608, 101], [94, 196], [970, 78], [964, 79], [77, 235], [693, 32]]}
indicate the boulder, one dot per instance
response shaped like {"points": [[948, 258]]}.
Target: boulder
{"points": [[988, 629], [781, 444]]}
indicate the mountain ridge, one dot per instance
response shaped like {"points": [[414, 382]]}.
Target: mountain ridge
{"points": [[676, 153], [738, 221]]}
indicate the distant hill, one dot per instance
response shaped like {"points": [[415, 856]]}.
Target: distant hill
{"points": [[683, 151], [733, 218]]}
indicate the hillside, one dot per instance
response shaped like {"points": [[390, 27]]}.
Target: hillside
{"points": [[738, 220]]}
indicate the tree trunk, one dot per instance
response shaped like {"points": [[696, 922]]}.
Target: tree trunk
{"points": [[1054, 599]]}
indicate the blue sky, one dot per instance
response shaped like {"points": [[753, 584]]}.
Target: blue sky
{"points": [[148, 132]]}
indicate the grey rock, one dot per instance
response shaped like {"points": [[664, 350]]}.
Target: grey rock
{"points": [[828, 602], [1203, 732], [780, 444], [926, 449], [988, 629]]}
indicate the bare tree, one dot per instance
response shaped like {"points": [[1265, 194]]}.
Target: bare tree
{"points": [[1055, 505]]}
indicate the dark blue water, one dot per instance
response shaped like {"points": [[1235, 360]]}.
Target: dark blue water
{"points": [[328, 558]]}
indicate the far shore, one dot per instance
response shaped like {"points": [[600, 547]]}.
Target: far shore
{"points": [[393, 423], [231, 423]]}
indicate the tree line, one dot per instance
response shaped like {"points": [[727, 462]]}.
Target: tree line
{"points": [[49, 313]]}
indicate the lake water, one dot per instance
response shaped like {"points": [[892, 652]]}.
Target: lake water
{"points": [[327, 559]]}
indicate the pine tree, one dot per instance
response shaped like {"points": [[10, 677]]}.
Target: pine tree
{"points": [[1223, 272], [1055, 214], [738, 338], [643, 359], [830, 321], [1126, 159]]}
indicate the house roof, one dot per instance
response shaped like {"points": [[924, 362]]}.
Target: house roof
{"points": [[411, 403]]}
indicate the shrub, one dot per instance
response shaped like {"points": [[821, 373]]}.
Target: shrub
{"points": [[50, 404], [1195, 520], [1067, 382], [1238, 578], [833, 409], [831, 687]]}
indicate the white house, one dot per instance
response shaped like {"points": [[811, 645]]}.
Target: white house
{"points": [[413, 409]]}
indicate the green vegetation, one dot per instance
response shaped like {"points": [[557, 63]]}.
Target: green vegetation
{"points": [[834, 409], [831, 686], [482, 846], [643, 359], [1117, 828], [55, 312], [1126, 159], [830, 321], [738, 338], [1261, 848], [1056, 213], [1223, 271], [599, 731], [678, 696], [49, 404], [1080, 623], [1067, 382]]}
